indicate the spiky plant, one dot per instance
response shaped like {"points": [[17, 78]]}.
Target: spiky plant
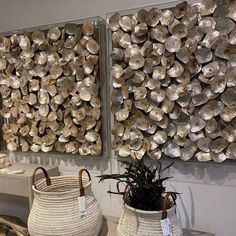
{"points": [[144, 184]]}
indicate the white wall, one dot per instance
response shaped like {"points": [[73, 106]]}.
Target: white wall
{"points": [[208, 199]]}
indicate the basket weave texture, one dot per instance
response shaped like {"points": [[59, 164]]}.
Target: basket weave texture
{"points": [[55, 211], [135, 222]]}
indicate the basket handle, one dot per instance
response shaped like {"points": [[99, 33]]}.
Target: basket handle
{"points": [[48, 180], [165, 204], [125, 191], [81, 187]]}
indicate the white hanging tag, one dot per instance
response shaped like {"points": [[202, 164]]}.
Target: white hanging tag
{"points": [[166, 229], [82, 206]]}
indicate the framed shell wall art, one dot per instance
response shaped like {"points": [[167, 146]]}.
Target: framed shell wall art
{"points": [[53, 88], [173, 75]]}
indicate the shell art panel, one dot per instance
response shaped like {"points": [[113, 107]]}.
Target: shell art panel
{"points": [[173, 78], [51, 89]]}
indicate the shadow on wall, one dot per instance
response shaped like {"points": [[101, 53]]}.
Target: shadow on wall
{"points": [[189, 219], [65, 162], [220, 174]]}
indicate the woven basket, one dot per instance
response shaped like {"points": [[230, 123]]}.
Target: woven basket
{"points": [[55, 210], [134, 222]]}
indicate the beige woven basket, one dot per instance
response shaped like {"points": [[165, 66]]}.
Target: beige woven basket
{"points": [[134, 222], [55, 210]]}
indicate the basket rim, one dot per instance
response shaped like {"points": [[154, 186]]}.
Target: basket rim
{"points": [[148, 212], [63, 192]]}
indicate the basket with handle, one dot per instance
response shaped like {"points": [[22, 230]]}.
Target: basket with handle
{"points": [[56, 210], [135, 222]]}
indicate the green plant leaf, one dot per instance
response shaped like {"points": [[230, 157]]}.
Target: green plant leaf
{"points": [[144, 184]]}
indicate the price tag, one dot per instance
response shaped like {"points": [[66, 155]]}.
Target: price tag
{"points": [[82, 206], [166, 229]]}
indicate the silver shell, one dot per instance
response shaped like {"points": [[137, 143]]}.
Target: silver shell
{"points": [[207, 7], [197, 124], [207, 112], [124, 151], [207, 24], [199, 99], [228, 113], [54, 34], [232, 11], [92, 46], [172, 150], [127, 23], [156, 114], [230, 77], [136, 62], [191, 17], [167, 17], [56, 71], [167, 106], [3, 64], [183, 54], [224, 26], [159, 33], [146, 49], [142, 15], [218, 84], [113, 22], [155, 154], [223, 48], [171, 92], [173, 43], [203, 156], [229, 97], [140, 29], [183, 129], [203, 144], [122, 115], [158, 95], [175, 113], [211, 69], [117, 71], [24, 43], [193, 66], [229, 134], [152, 17], [210, 39], [160, 137], [180, 9], [219, 157], [179, 30], [176, 70], [211, 126], [167, 61], [38, 36], [140, 93], [88, 28], [159, 73], [218, 145], [231, 151], [203, 55], [186, 154]]}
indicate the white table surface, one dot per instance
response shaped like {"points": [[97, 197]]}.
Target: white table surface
{"points": [[21, 184]]}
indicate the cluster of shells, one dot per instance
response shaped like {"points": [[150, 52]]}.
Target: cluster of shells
{"points": [[174, 78], [50, 90]]}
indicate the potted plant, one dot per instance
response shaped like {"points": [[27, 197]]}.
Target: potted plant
{"points": [[147, 206]]}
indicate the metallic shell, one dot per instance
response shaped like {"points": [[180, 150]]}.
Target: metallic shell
{"points": [[173, 43], [174, 77]]}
